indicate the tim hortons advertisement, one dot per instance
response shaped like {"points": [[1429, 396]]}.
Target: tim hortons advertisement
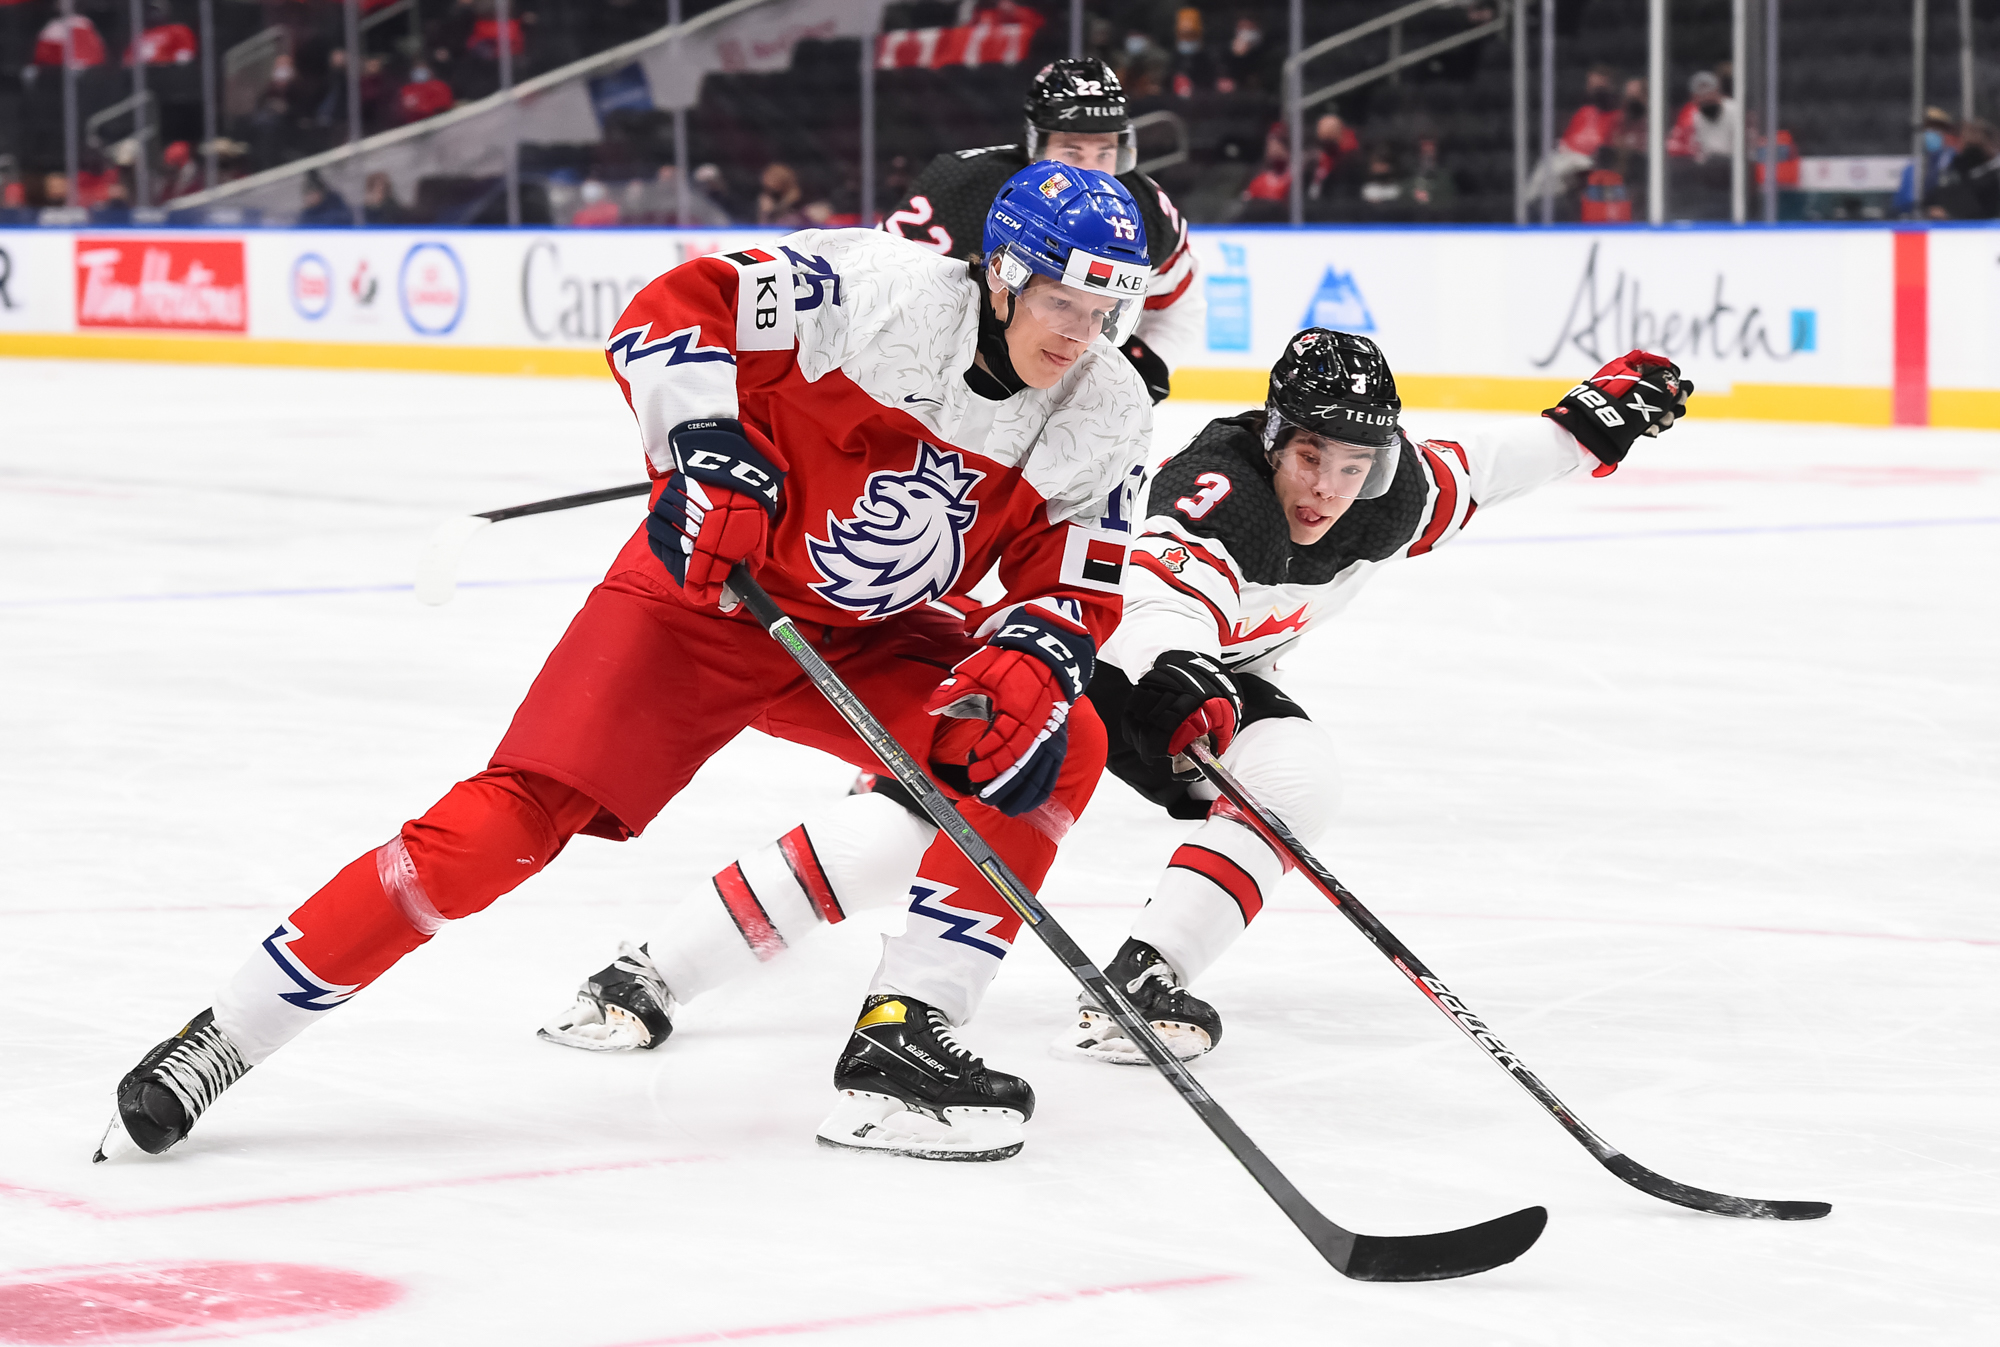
{"points": [[169, 283]]}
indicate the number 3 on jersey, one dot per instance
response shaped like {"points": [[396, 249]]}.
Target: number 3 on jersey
{"points": [[1214, 486]]}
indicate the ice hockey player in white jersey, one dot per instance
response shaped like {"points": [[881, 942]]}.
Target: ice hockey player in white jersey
{"points": [[1264, 527]]}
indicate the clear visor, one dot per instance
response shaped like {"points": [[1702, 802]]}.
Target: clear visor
{"points": [[1112, 152], [1334, 468], [1080, 315]]}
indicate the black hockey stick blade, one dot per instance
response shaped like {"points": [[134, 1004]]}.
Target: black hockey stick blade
{"points": [[1454, 1253], [1401, 1258], [1274, 831], [1700, 1199]]}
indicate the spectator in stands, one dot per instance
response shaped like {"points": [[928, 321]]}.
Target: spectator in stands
{"points": [[1248, 62], [422, 95], [780, 201], [320, 205], [1433, 190], [1334, 144], [1383, 193], [1705, 130], [484, 39], [598, 209], [164, 42], [1969, 189], [1194, 65], [181, 174], [114, 204], [1268, 194], [1142, 65], [702, 209], [716, 188], [378, 202], [1941, 142], [86, 45], [55, 191], [1590, 127]]}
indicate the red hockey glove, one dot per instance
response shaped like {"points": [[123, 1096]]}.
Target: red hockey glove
{"points": [[1021, 683], [1637, 394], [716, 509], [1182, 697]]}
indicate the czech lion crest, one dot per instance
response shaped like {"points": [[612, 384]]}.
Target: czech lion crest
{"points": [[905, 543]]}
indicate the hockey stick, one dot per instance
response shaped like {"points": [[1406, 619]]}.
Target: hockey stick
{"points": [[1273, 830], [1381, 1258], [437, 573]]}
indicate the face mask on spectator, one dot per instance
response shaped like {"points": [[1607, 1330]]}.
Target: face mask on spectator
{"points": [[1186, 47], [1712, 111], [1933, 141], [1247, 37], [1604, 99], [1635, 107], [1135, 43]]}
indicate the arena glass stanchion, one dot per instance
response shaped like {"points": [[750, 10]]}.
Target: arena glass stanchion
{"points": [[1392, 1258], [1273, 830]]}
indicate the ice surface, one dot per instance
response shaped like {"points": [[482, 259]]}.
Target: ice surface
{"points": [[1682, 778]]}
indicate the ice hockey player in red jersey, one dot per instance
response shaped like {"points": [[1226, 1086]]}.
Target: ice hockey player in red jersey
{"points": [[1263, 528], [1075, 114], [873, 428]]}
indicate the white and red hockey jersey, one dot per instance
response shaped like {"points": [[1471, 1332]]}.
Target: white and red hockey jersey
{"points": [[1214, 569], [842, 353]]}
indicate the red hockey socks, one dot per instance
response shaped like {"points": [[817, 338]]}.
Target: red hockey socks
{"points": [[481, 840]]}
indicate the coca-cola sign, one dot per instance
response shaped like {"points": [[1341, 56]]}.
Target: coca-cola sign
{"points": [[180, 285]]}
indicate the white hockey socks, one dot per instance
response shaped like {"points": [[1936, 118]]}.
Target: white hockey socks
{"points": [[1218, 880], [860, 853]]}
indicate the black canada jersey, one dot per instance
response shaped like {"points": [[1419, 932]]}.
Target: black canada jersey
{"points": [[1220, 487], [1215, 570], [947, 205]]}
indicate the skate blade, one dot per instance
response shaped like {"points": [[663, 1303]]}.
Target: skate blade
{"points": [[617, 1030], [1097, 1038], [116, 1143], [873, 1122]]}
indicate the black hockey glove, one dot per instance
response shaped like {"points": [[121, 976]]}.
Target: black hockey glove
{"points": [[1637, 394], [1152, 370], [1182, 697]]}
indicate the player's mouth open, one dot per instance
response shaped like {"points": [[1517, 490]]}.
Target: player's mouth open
{"points": [[1308, 516]]}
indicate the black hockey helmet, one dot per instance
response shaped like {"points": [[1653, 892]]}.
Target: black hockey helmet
{"points": [[1079, 93], [1338, 385]]}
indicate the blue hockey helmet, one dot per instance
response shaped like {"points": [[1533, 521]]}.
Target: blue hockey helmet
{"points": [[1078, 227]]}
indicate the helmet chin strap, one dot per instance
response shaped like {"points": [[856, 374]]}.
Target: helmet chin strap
{"points": [[998, 381]]}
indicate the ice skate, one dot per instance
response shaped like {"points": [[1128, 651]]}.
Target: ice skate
{"points": [[1188, 1025], [907, 1087], [160, 1098], [619, 1008]]}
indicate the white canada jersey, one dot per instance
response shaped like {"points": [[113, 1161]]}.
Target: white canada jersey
{"points": [[1215, 571]]}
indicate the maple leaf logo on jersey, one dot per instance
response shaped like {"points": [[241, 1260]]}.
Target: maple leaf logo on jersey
{"points": [[905, 544], [1174, 559]]}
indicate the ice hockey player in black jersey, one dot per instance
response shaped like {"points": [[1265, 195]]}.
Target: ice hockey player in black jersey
{"points": [[1263, 528], [1076, 114]]}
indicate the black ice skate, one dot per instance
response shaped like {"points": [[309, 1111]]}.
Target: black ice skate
{"points": [[908, 1088], [160, 1098], [1187, 1024], [620, 1007]]}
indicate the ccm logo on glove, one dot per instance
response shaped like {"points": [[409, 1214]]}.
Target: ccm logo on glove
{"points": [[716, 508], [1020, 684]]}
